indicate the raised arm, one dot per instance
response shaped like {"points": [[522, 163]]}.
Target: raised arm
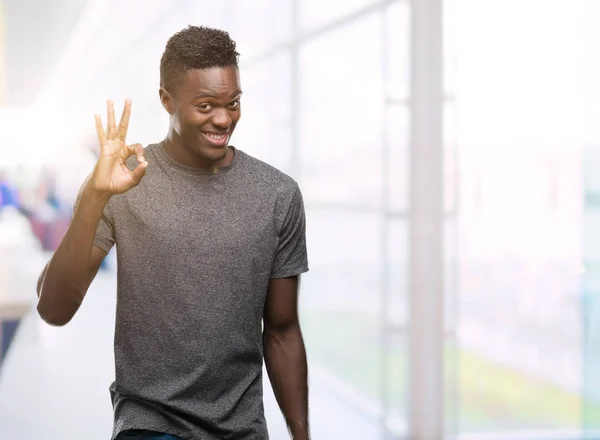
{"points": [[66, 278]]}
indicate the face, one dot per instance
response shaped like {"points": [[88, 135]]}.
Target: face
{"points": [[205, 108]]}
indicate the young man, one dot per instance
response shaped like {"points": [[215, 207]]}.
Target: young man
{"points": [[211, 242]]}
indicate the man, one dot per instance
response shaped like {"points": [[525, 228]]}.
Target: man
{"points": [[211, 242]]}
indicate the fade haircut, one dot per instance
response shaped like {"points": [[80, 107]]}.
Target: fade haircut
{"points": [[195, 47]]}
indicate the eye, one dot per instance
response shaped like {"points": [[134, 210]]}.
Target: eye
{"points": [[234, 105], [204, 107]]}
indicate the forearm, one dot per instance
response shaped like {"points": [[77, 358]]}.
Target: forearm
{"points": [[285, 359], [66, 278]]}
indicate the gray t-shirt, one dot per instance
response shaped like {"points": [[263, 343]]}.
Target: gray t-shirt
{"points": [[195, 253]]}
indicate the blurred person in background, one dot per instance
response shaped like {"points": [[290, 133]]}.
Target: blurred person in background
{"points": [[44, 210], [211, 245], [8, 192]]}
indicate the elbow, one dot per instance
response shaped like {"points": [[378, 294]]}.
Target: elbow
{"points": [[53, 317], [57, 305], [277, 333], [281, 325]]}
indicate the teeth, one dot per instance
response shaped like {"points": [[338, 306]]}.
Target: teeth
{"points": [[217, 137]]}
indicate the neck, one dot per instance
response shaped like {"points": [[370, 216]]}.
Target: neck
{"points": [[188, 156]]}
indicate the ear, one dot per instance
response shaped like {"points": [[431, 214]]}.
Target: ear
{"points": [[167, 100]]}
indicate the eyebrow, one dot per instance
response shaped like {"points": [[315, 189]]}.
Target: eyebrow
{"points": [[235, 94]]}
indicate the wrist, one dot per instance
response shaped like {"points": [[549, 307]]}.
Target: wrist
{"points": [[96, 195]]}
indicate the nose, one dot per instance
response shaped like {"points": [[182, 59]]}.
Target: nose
{"points": [[221, 118]]}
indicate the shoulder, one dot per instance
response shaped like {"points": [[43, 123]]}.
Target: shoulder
{"points": [[268, 176], [278, 187]]}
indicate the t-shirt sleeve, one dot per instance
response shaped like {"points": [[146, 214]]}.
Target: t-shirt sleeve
{"points": [[291, 258], [105, 237]]}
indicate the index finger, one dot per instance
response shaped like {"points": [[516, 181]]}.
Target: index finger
{"points": [[124, 123]]}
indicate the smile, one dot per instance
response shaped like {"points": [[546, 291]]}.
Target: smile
{"points": [[218, 139]]}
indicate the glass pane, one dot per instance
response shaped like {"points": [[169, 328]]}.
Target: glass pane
{"points": [[591, 289], [314, 13], [396, 306], [215, 15], [341, 116], [451, 164], [398, 156], [520, 341], [341, 302], [521, 225], [451, 389], [451, 275], [264, 129], [451, 316], [591, 209], [397, 26], [394, 341], [344, 316], [396, 384], [519, 320], [259, 25]]}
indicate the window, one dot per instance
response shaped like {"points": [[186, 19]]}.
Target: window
{"points": [[265, 128], [519, 327], [341, 115], [259, 25]]}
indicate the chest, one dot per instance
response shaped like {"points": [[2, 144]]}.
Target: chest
{"points": [[213, 225]]}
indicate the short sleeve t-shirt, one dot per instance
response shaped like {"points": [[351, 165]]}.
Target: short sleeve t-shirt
{"points": [[195, 253]]}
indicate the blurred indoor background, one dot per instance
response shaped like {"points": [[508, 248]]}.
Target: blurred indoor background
{"points": [[449, 157]]}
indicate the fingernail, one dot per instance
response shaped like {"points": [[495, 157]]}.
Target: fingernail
{"points": [[142, 159]]}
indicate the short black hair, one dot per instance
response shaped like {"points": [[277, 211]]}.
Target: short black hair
{"points": [[196, 47]]}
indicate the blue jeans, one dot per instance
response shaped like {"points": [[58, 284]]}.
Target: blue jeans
{"points": [[142, 434]]}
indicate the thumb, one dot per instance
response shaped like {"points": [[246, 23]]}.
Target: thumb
{"points": [[139, 172]]}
